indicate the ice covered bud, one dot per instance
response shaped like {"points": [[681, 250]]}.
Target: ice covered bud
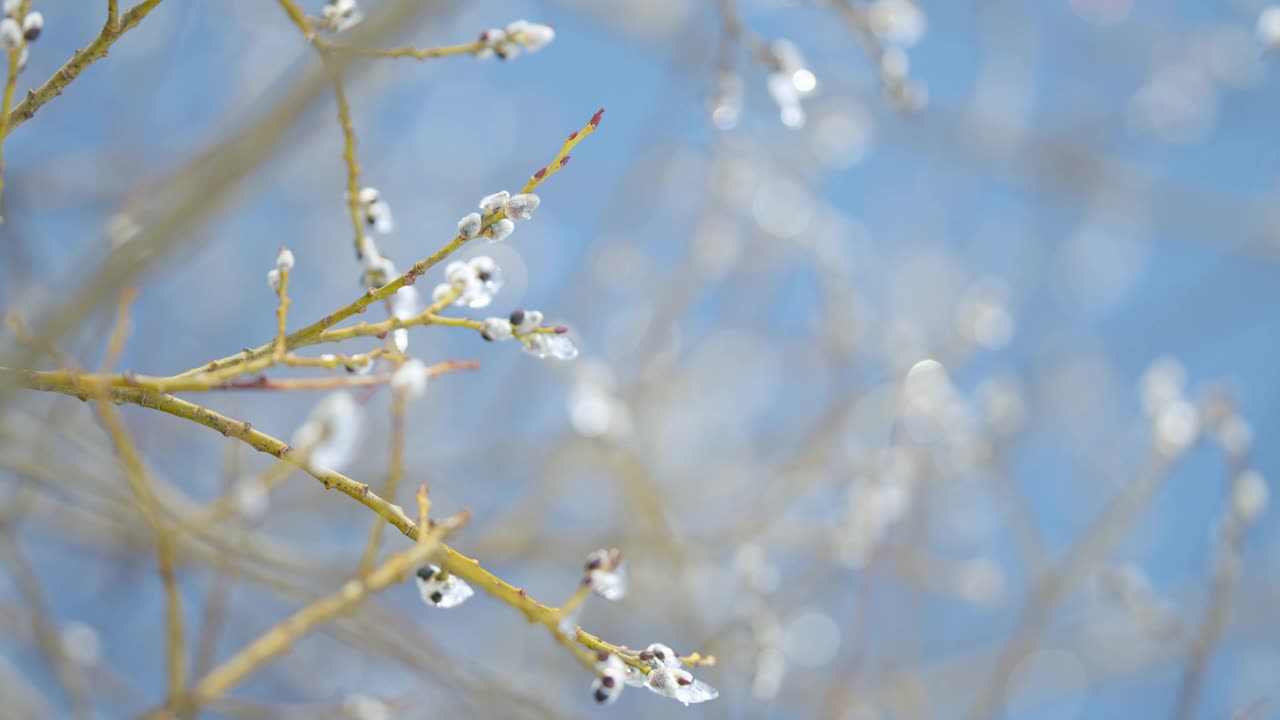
{"points": [[542, 346], [680, 685]]}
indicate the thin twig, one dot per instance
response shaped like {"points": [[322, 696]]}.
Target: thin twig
{"points": [[136, 474], [94, 51], [395, 470], [281, 637], [14, 56], [1054, 586], [46, 635], [307, 336], [449, 559]]}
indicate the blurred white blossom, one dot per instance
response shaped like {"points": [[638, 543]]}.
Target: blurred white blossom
{"points": [[410, 378], [376, 211], [331, 434], [442, 589], [339, 15], [606, 574]]}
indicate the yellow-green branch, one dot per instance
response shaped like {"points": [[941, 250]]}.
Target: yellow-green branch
{"points": [[94, 51]]}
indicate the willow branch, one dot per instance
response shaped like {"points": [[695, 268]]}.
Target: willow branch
{"points": [[94, 51], [309, 334], [395, 470], [145, 495], [469, 569]]}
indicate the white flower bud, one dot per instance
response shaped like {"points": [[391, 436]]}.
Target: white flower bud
{"points": [[606, 575], [81, 644], [441, 589], [1249, 496], [410, 378], [251, 499], [501, 230], [897, 21], [32, 24], [521, 206], [10, 34], [679, 684], [442, 290], [611, 675], [469, 226], [11, 6], [368, 196], [524, 321], [331, 435], [458, 272], [494, 202], [482, 265], [284, 261], [340, 15], [1269, 27], [531, 36], [496, 328], [273, 279]]}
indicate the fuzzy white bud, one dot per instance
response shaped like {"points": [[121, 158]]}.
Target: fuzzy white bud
{"points": [[496, 328], [469, 226], [501, 230], [284, 261], [10, 34], [494, 202], [521, 206], [1249, 496], [32, 24], [458, 272], [273, 279], [530, 36]]}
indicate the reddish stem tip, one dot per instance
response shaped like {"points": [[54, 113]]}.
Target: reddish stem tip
{"points": [[564, 160], [540, 174], [595, 119]]}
